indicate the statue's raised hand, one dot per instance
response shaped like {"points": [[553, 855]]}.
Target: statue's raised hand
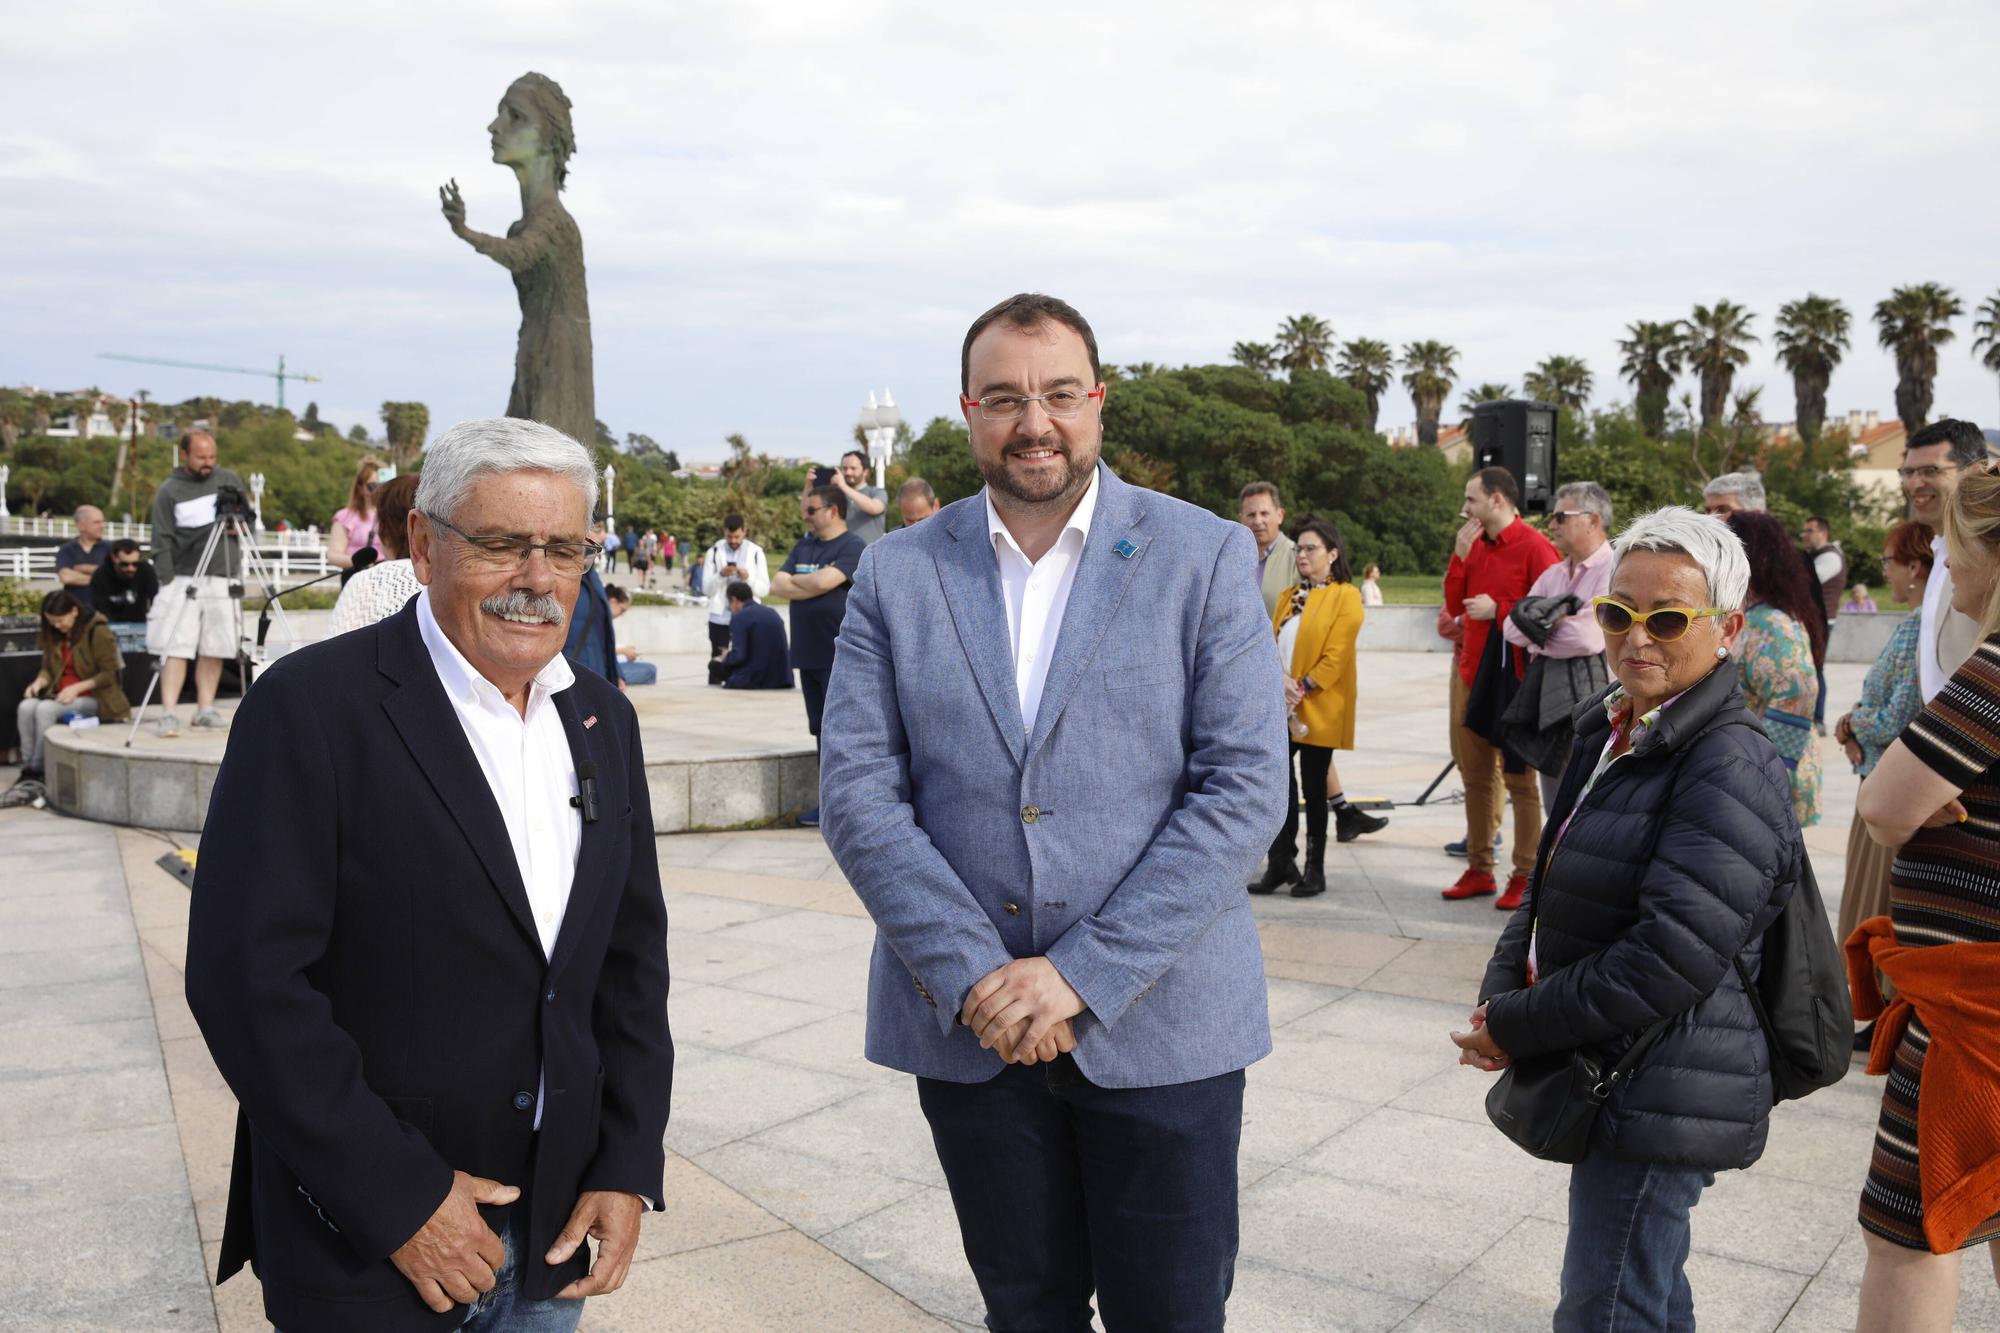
{"points": [[453, 204]]}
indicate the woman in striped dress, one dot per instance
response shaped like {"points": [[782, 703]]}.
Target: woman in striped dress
{"points": [[1935, 796]]}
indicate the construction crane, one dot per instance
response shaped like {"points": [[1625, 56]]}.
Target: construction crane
{"points": [[281, 375]]}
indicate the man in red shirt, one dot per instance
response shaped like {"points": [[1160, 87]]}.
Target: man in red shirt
{"points": [[1497, 559]]}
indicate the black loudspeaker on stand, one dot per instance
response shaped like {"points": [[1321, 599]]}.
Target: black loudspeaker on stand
{"points": [[1520, 436]]}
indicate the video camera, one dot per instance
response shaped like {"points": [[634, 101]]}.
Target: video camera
{"points": [[232, 503]]}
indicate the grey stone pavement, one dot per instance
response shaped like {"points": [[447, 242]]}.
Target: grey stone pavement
{"points": [[802, 1188]]}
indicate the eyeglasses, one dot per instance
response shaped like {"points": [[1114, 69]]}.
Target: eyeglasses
{"points": [[1008, 406], [1663, 625], [1928, 472], [568, 559], [1565, 515]]}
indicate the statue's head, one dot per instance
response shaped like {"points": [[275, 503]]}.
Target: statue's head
{"points": [[533, 122]]}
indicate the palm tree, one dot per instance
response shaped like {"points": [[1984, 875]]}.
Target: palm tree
{"points": [[1746, 407], [1914, 324], [1370, 366], [1305, 342], [1812, 335], [405, 425], [1562, 380], [1713, 345], [1429, 370], [1652, 360], [1488, 392], [1986, 346], [1260, 357]]}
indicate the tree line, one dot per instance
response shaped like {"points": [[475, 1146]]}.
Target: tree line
{"points": [[1812, 335]]}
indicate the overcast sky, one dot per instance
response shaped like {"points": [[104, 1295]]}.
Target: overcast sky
{"points": [[785, 205]]}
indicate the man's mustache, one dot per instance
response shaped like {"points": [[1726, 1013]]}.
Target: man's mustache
{"points": [[520, 604]]}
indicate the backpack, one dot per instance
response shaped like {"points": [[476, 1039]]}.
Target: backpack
{"points": [[1801, 996]]}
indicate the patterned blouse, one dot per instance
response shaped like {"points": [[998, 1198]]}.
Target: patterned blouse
{"points": [[1890, 697], [373, 594], [1781, 687]]}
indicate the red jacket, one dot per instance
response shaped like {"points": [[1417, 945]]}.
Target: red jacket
{"points": [[1503, 568]]}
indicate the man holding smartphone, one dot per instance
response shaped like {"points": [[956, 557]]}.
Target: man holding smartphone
{"points": [[733, 559], [867, 506]]}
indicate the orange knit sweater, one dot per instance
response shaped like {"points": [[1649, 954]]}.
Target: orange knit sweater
{"points": [[1955, 988]]}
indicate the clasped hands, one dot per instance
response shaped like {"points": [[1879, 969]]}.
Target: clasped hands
{"points": [[1022, 1012], [1477, 1047], [455, 1257]]}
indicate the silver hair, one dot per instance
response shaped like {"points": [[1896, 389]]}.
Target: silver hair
{"points": [[489, 446], [1749, 485], [1590, 498], [1676, 530]]}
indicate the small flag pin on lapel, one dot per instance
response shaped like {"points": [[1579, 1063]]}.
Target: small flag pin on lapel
{"points": [[1126, 550], [590, 722]]}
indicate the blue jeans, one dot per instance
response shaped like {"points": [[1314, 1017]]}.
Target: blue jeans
{"points": [[505, 1310], [1624, 1270], [1062, 1187]]}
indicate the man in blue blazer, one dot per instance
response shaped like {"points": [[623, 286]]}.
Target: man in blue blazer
{"points": [[1054, 744], [427, 946], [757, 658]]}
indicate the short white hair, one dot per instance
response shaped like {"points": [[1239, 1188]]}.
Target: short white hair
{"points": [[1749, 485], [1709, 542], [489, 446]]}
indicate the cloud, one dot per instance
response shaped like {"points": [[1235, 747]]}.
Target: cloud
{"points": [[787, 204]]}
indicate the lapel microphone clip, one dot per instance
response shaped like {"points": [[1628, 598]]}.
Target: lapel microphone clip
{"points": [[586, 798]]}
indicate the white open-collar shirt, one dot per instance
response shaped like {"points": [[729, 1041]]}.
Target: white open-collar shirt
{"points": [[528, 768], [1037, 595]]}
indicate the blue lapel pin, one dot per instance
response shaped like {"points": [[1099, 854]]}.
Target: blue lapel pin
{"points": [[1126, 550]]}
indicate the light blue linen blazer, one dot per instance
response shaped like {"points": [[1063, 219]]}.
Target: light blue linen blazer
{"points": [[1115, 839]]}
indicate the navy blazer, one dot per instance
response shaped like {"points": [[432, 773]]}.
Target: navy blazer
{"points": [[1113, 839], [757, 658], [364, 966]]}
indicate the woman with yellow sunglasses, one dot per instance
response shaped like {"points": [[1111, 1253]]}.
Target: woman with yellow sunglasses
{"points": [[1672, 847]]}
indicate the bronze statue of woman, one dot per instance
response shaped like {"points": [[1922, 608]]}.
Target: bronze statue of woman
{"points": [[544, 252]]}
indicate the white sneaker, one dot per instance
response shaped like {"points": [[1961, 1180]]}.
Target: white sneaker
{"points": [[208, 718], [168, 725]]}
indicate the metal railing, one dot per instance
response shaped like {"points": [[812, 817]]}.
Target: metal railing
{"points": [[288, 561], [17, 525], [20, 525]]}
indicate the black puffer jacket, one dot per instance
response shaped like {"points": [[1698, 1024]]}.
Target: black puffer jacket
{"points": [[1623, 939]]}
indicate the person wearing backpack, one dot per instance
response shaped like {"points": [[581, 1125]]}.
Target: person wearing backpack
{"points": [[1933, 1186], [1671, 847]]}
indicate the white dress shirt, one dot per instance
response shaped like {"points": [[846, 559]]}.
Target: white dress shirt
{"points": [[529, 769], [1945, 636], [1037, 594]]}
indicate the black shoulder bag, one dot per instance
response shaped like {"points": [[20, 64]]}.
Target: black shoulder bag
{"points": [[1548, 1104]]}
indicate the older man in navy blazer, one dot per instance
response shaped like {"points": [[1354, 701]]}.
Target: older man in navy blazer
{"points": [[1054, 744], [427, 946]]}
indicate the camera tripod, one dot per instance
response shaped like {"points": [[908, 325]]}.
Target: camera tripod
{"points": [[236, 526]]}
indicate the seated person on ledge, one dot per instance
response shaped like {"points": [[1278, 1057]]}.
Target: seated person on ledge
{"points": [[757, 658], [630, 669]]}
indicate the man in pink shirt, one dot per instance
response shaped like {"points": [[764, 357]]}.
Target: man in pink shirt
{"points": [[1580, 527]]}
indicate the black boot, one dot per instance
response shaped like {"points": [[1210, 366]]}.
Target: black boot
{"points": [[1314, 880], [1280, 869], [1350, 823]]}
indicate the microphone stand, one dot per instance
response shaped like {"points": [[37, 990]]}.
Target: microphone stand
{"points": [[271, 599]]}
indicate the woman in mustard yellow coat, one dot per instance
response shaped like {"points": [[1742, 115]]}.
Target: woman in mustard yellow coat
{"points": [[1316, 624]]}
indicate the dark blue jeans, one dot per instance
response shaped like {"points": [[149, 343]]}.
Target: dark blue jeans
{"points": [[1625, 1268], [1063, 1187], [504, 1309]]}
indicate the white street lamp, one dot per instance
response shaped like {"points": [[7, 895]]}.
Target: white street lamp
{"points": [[879, 424]]}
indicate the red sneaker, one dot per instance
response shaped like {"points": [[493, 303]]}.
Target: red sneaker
{"points": [[1472, 884], [1517, 889]]}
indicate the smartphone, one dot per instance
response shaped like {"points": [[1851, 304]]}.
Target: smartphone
{"points": [[822, 476]]}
